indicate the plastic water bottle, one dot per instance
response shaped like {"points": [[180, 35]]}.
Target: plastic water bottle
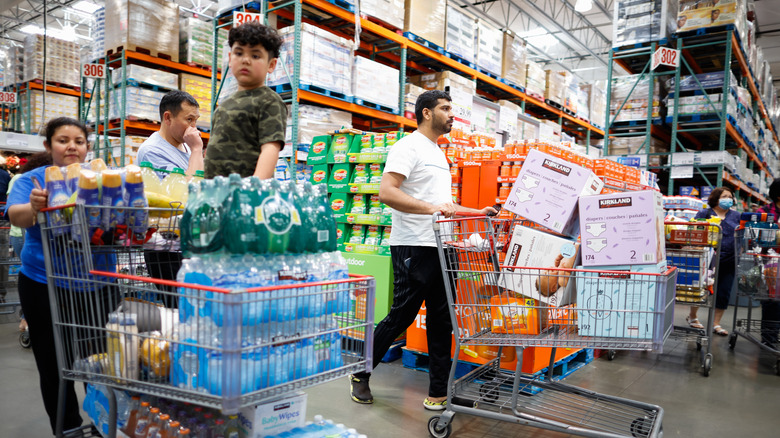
{"points": [[325, 222], [768, 231], [280, 217], [240, 235], [306, 241], [175, 185]]}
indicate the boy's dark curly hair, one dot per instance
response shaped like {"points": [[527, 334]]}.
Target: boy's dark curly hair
{"points": [[252, 33]]}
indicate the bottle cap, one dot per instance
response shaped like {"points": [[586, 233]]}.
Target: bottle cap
{"points": [[200, 173], [178, 170], [147, 164]]}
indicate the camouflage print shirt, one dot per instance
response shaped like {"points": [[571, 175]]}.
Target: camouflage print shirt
{"points": [[242, 123]]}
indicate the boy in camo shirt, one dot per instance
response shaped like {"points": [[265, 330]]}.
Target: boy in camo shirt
{"points": [[249, 126]]}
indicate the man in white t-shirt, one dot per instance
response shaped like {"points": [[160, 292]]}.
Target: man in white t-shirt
{"points": [[178, 143], [416, 183]]}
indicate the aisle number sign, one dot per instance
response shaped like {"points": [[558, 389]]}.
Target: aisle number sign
{"points": [[665, 56], [7, 97], [96, 71], [240, 18]]}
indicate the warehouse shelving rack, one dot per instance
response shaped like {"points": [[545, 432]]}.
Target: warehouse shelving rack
{"points": [[19, 117]]}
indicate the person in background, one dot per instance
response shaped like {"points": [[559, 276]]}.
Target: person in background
{"points": [[720, 202], [5, 178], [178, 143], [16, 234], [249, 126], [770, 309], [416, 183], [66, 143]]}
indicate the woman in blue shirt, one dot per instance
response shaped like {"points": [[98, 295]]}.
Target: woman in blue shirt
{"points": [[720, 201], [66, 142]]}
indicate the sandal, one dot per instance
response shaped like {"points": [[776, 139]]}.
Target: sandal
{"points": [[694, 323], [718, 330]]}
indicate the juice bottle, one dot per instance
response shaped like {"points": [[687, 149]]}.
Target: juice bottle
{"points": [[219, 429], [198, 177], [151, 179], [231, 427], [175, 185], [182, 433], [145, 422], [171, 429], [157, 428], [132, 419]]}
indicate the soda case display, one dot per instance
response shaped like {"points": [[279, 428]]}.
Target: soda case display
{"points": [[390, 11], [196, 42], [57, 105], [366, 74], [148, 24], [426, 19], [147, 75], [489, 47], [461, 34], [698, 14], [326, 60], [643, 21], [200, 88], [63, 65], [634, 105], [514, 59]]}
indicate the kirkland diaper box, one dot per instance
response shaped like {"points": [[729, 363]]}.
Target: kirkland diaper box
{"points": [[537, 249], [621, 301], [547, 189], [622, 228]]}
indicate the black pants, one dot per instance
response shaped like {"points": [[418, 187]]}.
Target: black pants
{"points": [[90, 309], [726, 277], [770, 321], [417, 277], [164, 265]]}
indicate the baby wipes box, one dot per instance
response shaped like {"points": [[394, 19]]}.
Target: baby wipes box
{"points": [[622, 228], [622, 301], [544, 254], [273, 418], [547, 189]]}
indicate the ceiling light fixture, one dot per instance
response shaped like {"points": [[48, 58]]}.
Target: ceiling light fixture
{"points": [[31, 29], [583, 5], [85, 6]]}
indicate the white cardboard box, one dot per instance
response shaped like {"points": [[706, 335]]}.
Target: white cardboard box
{"points": [[536, 249], [273, 418]]}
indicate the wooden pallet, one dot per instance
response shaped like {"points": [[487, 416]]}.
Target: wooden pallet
{"points": [[145, 51]]}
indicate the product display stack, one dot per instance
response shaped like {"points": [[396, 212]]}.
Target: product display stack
{"points": [[62, 61]]}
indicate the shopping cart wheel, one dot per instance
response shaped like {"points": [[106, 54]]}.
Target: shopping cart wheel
{"points": [[707, 365], [435, 430], [732, 340], [611, 354], [641, 427], [24, 339]]}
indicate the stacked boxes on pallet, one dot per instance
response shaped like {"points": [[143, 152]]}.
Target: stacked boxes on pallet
{"points": [[555, 84], [326, 60], [411, 93], [200, 88], [489, 46], [14, 66], [152, 25], [461, 34], [634, 104], [426, 19], [597, 103], [62, 60], [196, 42], [146, 75], [641, 146], [444, 81], [535, 80], [313, 121], [699, 14], [57, 105], [388, 11], [571, 91], [98, 46], [643, 21], [140, 103], [366, 75], [515, 57]]}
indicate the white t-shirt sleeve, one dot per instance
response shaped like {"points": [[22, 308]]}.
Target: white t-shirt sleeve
{"points": [[401, 159]]}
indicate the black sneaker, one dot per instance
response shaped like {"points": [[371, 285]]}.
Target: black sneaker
{"points": [[359, 390]]}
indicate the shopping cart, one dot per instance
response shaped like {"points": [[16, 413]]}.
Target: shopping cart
{"points": [[9, 269], [222, 348], [694, 249], [487, 313], [757, 279]]}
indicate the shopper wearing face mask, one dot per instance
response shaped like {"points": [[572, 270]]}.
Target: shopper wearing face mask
{"points": [[720, 202]]}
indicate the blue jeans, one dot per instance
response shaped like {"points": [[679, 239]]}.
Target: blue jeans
{"points": [[17, 243]]}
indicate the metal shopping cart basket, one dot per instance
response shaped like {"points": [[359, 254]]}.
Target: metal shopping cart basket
{"points": [[694, 249], [224, 348], [618, 310], [9, 269], [757, 279]]}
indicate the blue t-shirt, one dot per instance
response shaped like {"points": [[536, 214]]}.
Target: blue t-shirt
{"points": [[33, 262], [727, 227], [162, 154]]}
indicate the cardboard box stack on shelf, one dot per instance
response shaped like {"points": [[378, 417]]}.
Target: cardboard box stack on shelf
{"points": [[583, 103], [313, 121], [200, 88], [489, 47], [57, 105], [635, 105], [411, 93], [641, 146], [140, 104], [554, 86], [571, 92], [14, 66], [326, 60], [388, 11], [98, 34], [426, 19], [62, 60], [196, 42], [699, 14], [146, 25], [132, 143], [461, 34], [443, 81], [535, 81], [366, 74], [514, 60], [146, 75], [644, 21], [597, 104]]}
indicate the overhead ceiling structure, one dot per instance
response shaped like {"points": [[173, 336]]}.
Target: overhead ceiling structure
{"points": [[571, 35]]}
